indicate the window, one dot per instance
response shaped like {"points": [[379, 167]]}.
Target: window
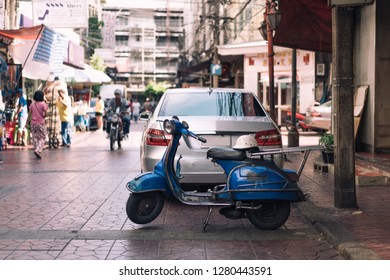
{"points": [[122, 40], [227, 104], [122, 20]]}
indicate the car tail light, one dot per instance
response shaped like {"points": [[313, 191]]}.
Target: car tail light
{"points": [[268, 138], [157, 137]]}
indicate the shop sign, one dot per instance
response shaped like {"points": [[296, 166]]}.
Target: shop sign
{"points": [[75, 55], [61, 13]]}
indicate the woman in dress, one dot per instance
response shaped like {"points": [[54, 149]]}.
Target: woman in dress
{"points": [[38, 111]]}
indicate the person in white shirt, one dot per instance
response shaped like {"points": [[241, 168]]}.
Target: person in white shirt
{"points": [[136, 107]]}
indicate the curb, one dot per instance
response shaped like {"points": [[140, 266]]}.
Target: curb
{"points": [[342, 240]]}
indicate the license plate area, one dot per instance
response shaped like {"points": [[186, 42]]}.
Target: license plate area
{"points": [[216, 140]]}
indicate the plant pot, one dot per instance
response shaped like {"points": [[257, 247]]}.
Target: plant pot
{"points": [[328, 156]]}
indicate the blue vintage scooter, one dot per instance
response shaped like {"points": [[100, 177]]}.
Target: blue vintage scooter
{"points": [[256, 188]]}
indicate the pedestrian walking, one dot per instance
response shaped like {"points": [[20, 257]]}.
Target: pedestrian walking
{"points": [[99, 111], [64, 105], [82, 115], [38, 111], [2, 132], [136, 107], [21, 115]]}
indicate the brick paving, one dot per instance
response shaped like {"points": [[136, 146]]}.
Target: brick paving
{"points": [[71, 205]]}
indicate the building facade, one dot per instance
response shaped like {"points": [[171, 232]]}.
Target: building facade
{"points": [[143, 43]]}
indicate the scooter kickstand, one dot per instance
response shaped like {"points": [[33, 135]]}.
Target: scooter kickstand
{"points": [[206, 222]]}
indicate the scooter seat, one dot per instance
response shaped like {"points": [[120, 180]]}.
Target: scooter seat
{"points": [[226, 153]]}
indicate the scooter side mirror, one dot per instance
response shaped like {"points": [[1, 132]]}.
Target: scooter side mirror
{"points": [[169, 126], [185, 125]]}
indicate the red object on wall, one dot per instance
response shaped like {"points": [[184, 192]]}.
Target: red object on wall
{"points": [[306, 59], [305, 25]]}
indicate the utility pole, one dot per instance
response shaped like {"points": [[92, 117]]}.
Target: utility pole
{"points": [[293, 134], [10, 14], [216, 40], [342, 96]]}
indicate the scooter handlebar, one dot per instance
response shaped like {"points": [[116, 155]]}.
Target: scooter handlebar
{"points": [[201, 139], [197, 137]]}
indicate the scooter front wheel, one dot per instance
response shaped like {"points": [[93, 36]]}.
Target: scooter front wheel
{"points": [[112, 139], [142, 208], [270, 215]]}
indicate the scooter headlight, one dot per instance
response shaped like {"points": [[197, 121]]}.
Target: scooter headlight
{"points": [[185, 125], [169, 127]]}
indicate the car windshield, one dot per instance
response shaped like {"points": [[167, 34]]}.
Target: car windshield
{"points": [[228, 104]]}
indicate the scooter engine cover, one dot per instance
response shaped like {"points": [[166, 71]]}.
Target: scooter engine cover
{"points": [[256, 182]]}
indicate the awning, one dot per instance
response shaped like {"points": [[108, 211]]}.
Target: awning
{"points": [[87, 75], [305, 25], [40, 71], [22, 53], [30, 33]]}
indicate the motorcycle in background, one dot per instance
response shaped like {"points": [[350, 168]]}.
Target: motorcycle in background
{"points": [[116, 134], [300, 122]]}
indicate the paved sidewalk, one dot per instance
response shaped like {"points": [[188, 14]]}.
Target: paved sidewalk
{"points": [[361, 233], [70, 205]]}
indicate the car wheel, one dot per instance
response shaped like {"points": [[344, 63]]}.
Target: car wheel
{"points": [[142, 208], [270, 215]]}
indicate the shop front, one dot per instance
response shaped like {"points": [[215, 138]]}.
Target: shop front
{"points": [[256, 77]]}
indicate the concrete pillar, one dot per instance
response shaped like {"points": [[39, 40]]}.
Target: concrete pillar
{"points": [[342, 95]]}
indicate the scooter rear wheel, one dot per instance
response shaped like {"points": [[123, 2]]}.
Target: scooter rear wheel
{"points": [[142, 208], [270, 215]]}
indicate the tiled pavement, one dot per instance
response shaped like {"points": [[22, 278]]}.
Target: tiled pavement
{"points": [[71, 205]]}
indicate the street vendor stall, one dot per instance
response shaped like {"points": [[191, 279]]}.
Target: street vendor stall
{"points": [[38, 53], [11, 79]]}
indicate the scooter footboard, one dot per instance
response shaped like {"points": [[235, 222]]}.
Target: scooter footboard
{"points": [[147, 182]]}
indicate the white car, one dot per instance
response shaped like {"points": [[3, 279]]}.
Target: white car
{"points": [[219, 115], [320, 116]]}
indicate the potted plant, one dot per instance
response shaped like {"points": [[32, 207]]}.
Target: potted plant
{"points": [[327, 141]]}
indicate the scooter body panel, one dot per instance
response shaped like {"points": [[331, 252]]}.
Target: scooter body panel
{"points": [[257, 180], [147, 182]]}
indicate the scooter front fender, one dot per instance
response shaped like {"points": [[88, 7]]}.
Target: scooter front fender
{"points": [[147, 182]]}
